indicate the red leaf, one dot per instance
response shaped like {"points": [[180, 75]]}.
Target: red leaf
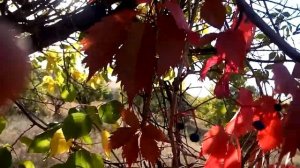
{"points": [[241, 122], [14, 66], [210, 62], [130, 119], [197, 41], [296, 70], [215, 141], [284, 82], [214, 162], [103, 39], [149, 148], [222, 87], [233, 157], [121, 136], [232, 46], [178, 14], [247, 27], [170, 43], [291, 129], [152, 132], [245, 97], [136, 59], [214, 13], [131, 150], [271, 136]]}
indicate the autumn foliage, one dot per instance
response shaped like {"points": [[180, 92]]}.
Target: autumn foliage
{"points": [[142, 44]]}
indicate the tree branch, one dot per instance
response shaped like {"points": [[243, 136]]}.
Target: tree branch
{"points": [[275, 38]]}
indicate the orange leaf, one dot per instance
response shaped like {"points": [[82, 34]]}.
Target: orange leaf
{"points": [[271, 136], [14, 65], [152, 132], [104, 38], [170, 43], [214, 13], [131, 150], [121, 136], [136, 59], [149, 148], [215, 141], [130, 119]]}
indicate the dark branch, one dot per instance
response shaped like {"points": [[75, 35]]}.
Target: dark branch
{"points": [[275, 38]]}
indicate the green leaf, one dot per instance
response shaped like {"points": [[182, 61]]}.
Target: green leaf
{"points": [[5, 158], [111, 111], [76, 125], [25, 140], [26, 164], [87, 139], [68, 93], [84, 159], [272, 55], [41, 142], [93, 115], [2, 123]]}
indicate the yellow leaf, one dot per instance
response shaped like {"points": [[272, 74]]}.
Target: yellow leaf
{"points": [[58, 144], [50, 84], [105, 142]]}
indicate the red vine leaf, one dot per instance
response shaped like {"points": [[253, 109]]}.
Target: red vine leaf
{"points": [[284, 82], [296, 70], [104, 38], [154, 133], [214, 13], [130, 119], [210, 62], [178, 14], [15, 68], [149, 148], [136, 59], [121, 136], [233, 158], [246, 26], [214, 162], [197, 41], [271, 136], [170, 43], [222, 87], [131, 150], [215, 141]]}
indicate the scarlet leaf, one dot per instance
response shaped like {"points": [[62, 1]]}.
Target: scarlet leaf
{"points": [[152, 132], [149, 148], [131, 150], [215, 141], [130, 118], [246, 26], [170, 43], [136, 59], [271, 136], [233, 157], [245, 97], [241, 122], [222, 87], [103, 40], [198, 41], [14, 67], [232, 46], [284, 82], [121, 136], [178, 14], [214, 13], [210, 63], [215, 162]]}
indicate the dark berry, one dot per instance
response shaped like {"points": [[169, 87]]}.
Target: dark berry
{"points": [[180, 126], [278, 107], [195, 137], [258, 125]]}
